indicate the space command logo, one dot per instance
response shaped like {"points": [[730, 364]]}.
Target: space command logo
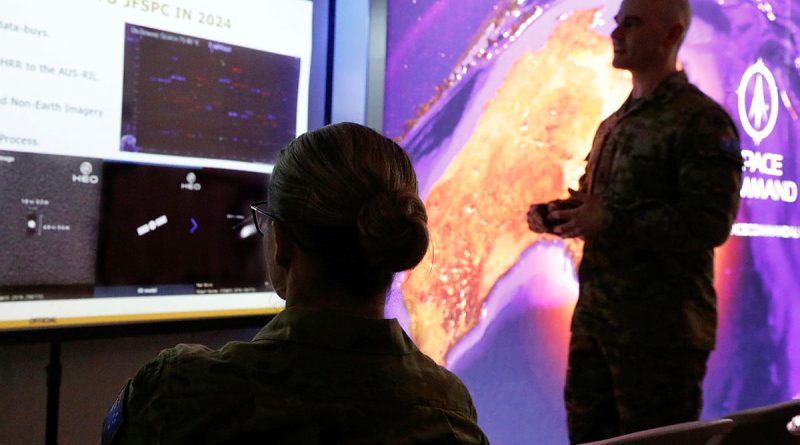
{"points": [[758, 102], [763, 170]]}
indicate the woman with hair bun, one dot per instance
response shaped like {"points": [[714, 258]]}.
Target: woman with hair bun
{"points": [[343, 216]]}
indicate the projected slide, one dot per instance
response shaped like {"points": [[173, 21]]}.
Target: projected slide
{"points": [[194, 97], [134, 135], [500, 114]]}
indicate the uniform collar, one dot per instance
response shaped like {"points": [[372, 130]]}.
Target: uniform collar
{"points": [[662, 94], [338, 330]]}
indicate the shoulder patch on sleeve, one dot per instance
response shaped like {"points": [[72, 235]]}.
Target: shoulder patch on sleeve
{"points": [[714, 134], [115, 417]]}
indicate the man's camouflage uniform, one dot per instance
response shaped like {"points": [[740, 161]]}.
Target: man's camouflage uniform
{"points": [[308, 377], [668, 168]]}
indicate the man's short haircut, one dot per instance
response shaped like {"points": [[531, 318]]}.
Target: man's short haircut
{"points": [[676, 11]]}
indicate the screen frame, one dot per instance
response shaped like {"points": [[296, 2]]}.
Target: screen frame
{"points": [[376, 65]]}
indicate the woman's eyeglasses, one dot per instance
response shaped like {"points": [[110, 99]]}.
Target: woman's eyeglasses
{"points": [[262, 216]]}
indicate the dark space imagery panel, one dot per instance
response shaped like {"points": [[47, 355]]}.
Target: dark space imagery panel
{"points": [[48, 225], [194, 97], [179, 230]]}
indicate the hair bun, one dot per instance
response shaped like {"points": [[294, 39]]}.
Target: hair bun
{"points": [[393, 230]]}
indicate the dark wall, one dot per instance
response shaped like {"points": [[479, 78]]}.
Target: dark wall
{"points": [[94, 371]]}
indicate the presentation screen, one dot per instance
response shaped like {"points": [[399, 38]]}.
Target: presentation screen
{"points": [[497, 104], [134, 135]]}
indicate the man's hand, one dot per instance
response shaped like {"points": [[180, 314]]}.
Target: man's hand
{"points": [[536, 221], [585, 221]]}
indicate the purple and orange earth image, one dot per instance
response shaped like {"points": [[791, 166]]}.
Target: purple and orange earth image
{"points": [[497, 104]]}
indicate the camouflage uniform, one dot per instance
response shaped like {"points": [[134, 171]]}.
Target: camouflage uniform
{"points": [[668, 167], [308, 377]]}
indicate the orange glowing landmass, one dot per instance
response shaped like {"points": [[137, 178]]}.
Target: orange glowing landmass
{"points": [[528, 147]]}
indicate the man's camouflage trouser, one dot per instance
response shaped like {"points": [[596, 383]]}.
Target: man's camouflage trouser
{"points": [[614, 389]]}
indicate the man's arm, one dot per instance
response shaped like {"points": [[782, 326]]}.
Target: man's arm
{"points": [[709, 182]]}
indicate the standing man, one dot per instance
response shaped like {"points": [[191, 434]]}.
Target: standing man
{"points": [[660, 191]]}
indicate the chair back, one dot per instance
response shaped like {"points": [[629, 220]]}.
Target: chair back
{"points": [[701, 432], [766, 424]]}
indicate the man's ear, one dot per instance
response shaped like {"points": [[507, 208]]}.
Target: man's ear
{"points": [[674, 35], [284, 245]]}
